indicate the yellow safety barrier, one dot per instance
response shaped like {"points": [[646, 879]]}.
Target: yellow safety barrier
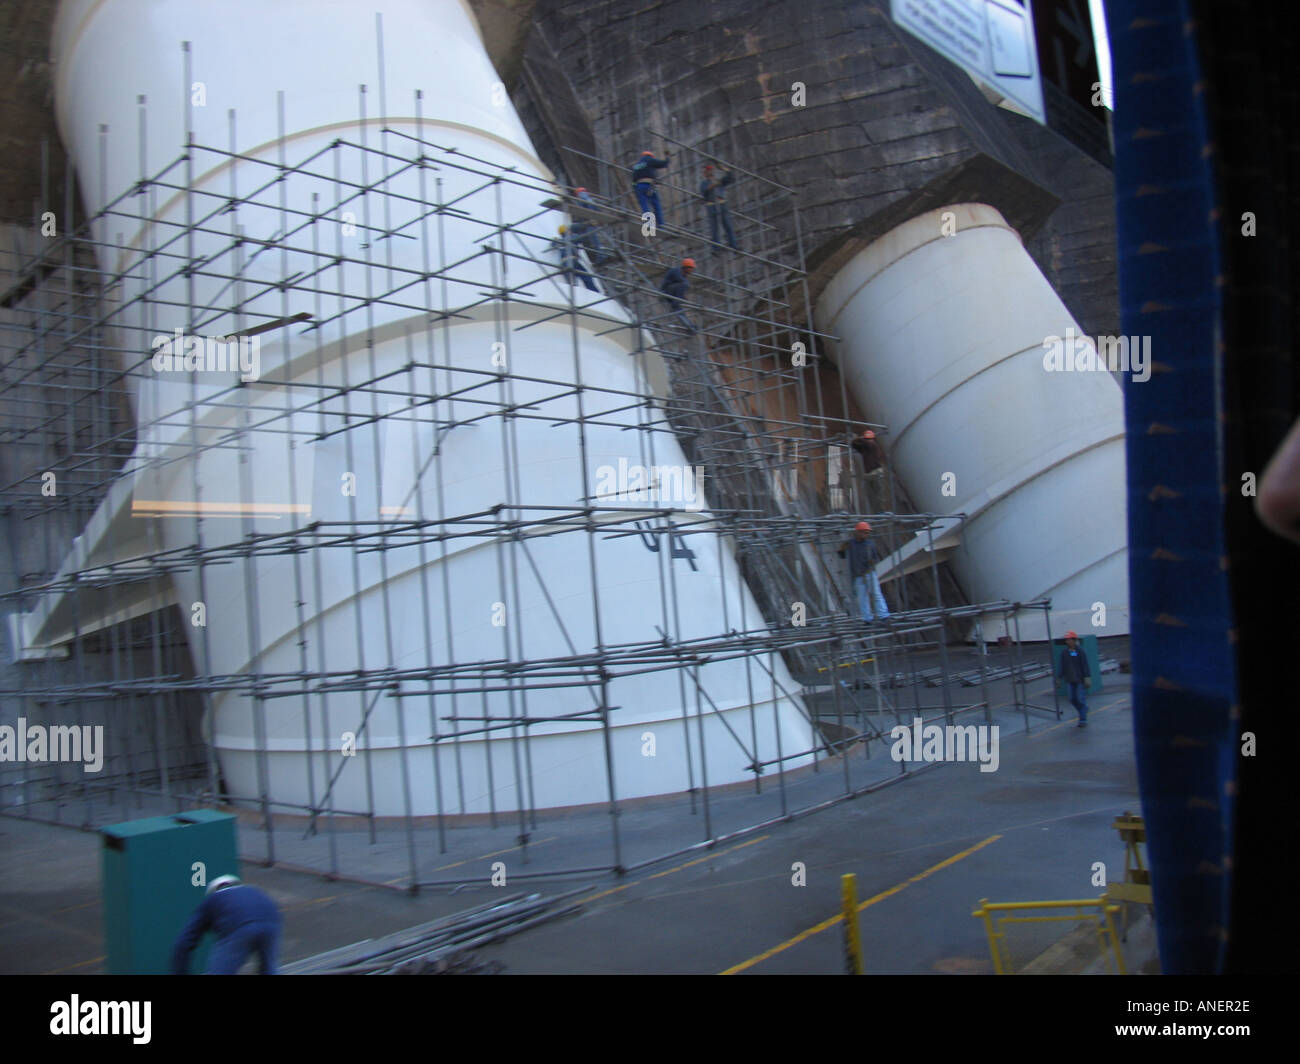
{"points": [[1103, 918]]}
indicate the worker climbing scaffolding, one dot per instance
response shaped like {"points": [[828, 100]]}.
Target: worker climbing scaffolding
{"points": [[869, 450], [584, 229], [567, 245], [644, 184], [713, 191], [674, 286]]}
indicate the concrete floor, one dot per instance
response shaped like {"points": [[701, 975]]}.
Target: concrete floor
{"points": [[925, 851]]}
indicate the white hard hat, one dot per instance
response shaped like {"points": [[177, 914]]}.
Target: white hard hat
{"points": [[223, 881]]}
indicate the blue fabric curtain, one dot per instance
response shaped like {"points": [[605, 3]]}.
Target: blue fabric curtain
{"points": [[1184, 667]]}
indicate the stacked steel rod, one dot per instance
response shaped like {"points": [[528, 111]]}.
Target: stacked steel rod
{"points": [[437, 945]]}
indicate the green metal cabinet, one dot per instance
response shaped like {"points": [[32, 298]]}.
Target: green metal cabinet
{"points": [[151, 887]]}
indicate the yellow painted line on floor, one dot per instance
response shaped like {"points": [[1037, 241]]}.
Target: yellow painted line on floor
{"points": [[484, 857], [58, 925], [670, 871], [819, 928], [310, 902], [69, 967], [1074, 721]]}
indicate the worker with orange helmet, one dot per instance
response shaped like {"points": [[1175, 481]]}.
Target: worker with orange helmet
{"points": [[1075, 672], [643, 182], [866, 446], [862, 557], [674, 287]]}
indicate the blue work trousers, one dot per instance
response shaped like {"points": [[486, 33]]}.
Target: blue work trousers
{"points": [[869, 596], [574, 266], [229, 953], [1079, 700], [719, 216], [648, 199]]}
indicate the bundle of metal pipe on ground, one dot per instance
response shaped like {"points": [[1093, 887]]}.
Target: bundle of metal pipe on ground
{"points": [[441, 946]]}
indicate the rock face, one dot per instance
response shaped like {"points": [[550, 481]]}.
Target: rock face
{"points": [[881, 118], [870, 127], [26, 111]]}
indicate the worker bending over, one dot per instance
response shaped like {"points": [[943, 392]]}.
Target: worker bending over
{"points": [[245, 921]]}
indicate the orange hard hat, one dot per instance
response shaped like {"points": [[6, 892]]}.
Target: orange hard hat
{"points": [[580, 188], [869, 435], [862, 526], [647, 153], [689, 263], [1071, 635]]}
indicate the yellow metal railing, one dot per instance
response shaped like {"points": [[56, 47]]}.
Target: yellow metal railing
{"points": [[1136, 886], [1103, 918]]}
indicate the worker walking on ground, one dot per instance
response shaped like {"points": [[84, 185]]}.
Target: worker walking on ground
{"points": [[861, 553], [244, 920], [643, 181], [674, 287], [1076, 674], [713, 192], [570, 261]]}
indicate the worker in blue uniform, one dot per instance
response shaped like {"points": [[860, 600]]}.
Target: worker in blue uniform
{"points": [[713, 190], [1075, 672], [570, 260], [643, 181], [674, 286], [862, 558], [244, 920]]}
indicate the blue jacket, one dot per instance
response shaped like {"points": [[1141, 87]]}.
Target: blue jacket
{"points": [[711, 190], [1074, 665], [644, 168], [861, 554], [223, 913], [674, 283], [567, 248]]}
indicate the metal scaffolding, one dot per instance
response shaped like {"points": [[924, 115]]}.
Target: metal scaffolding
{"points": [[771, 433]]}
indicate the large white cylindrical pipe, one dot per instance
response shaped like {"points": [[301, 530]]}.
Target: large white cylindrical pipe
{"points": [[300, 444], [946, 328]]}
